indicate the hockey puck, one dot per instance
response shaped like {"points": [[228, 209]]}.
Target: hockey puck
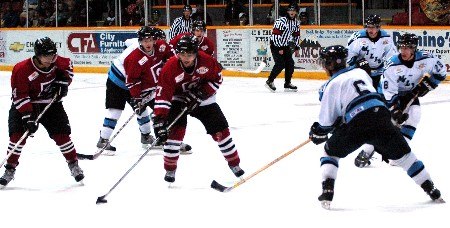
{"points": [[101, 200]]}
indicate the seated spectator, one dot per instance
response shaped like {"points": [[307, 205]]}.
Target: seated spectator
{"points": [[199, 14], [11, 18], [232, 11], [243, 19], [304, 18], [111, 19]]}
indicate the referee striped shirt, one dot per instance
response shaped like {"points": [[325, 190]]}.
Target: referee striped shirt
{"points": [[284, 31], [180, 25]]}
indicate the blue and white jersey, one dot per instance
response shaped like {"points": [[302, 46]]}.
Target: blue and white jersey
{"points": [[398, 78], [376, 53], [347, 93]]}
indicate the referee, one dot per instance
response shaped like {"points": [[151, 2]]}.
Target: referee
{"points": [[286, 32], [181, 24]]}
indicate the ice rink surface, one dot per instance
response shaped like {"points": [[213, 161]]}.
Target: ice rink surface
{"points": [[264, 126]]}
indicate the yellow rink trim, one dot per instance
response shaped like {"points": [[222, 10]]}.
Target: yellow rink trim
{"points": [[316, 75]]}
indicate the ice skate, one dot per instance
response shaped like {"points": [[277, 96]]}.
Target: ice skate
{"points": [[76, 171], [288, 87], [7, 176], [327, 193], [147, 140], [109, 150], [269, 85], [170, 176], [363, 159], [237, 171], [185, 148], [432, 191]]}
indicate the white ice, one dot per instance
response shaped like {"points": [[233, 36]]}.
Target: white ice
{"points": [[264, 126]]}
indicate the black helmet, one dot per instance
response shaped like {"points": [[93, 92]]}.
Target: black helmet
{"points": [[44, 46], [334, 55], [408, 40], [187, 43], [372, 19], [160, 34], [292, 7], [187, 8], [146, 32], [196, 25]]}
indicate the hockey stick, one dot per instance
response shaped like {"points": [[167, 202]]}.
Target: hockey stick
{"points": [[215, 185], [261, 66], [96, 155], [101, 199], [26, 134]]}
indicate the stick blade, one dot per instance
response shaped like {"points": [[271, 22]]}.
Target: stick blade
{"points": [[216, 186], [85, 156], [101, 199]]}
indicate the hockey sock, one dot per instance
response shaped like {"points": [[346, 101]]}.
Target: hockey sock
{"points": [[227, 147]]}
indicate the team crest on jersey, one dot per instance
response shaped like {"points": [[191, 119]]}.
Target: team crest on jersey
{"points": [[179, 78], [363, 42], [204, 47], [33, 76], [202, 70], [143, 60], [422, 66], [162, 48], [385, 42]]}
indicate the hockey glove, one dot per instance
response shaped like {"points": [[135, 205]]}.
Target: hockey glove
{"points": [[193, 99], [138, 106], [29, 123], [160, 128], [363, 64], [60, 89], [398, 110], [424, 87], [318, 134]]}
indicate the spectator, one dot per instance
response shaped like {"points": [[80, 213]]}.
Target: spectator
{"points": [[111, 19], [243, 19], [199, 14], [304, 20], [232, 11], [11, 18], [155, 18]]}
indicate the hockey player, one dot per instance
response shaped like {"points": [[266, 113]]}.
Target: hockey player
{"points": [[375, 46], [132, 78], [404, 80], [34, 82], [160, 34], [372, 44], [181, 24], [285, 33], [355, 113], [191, 79], [198, 30]]}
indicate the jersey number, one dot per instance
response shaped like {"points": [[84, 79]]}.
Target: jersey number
{"points": [[358, 86]]}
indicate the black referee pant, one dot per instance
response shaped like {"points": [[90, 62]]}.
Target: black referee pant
{"points": [[283, 61]]}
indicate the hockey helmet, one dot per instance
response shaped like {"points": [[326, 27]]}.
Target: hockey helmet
{"points": [[198, 25], [188, 44], [187, 8], [44, 46], [146, 32], [408, 40], [333, 57], [160, 34], [373, 20]]}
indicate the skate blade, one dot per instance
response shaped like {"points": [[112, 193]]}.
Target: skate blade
{"points": [[440, 200], [325, 204], [271, 90], [109, 153], [290, 90], [2, 187], [183, 152]]}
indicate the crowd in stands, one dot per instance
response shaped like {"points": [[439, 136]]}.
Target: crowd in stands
{"points": [[42, 13]]}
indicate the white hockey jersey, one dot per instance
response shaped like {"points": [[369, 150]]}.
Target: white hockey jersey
{"points": [[376, 53], [398, 79], [347, 93]]}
